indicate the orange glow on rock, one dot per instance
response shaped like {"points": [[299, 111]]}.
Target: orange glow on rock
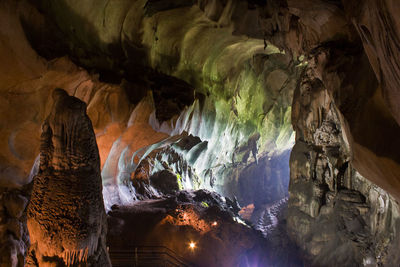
{"points": [[247, 211]]}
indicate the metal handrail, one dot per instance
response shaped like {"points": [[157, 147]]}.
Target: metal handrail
{"points": [[138, 255]]}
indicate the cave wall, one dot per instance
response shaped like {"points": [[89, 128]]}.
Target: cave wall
{"points": [[180, 46], [120, 119], [378, 26], [243, 84], [14, 235], [375, 157], [336, 215], [369, 115], [346, 148], [26, 83]]}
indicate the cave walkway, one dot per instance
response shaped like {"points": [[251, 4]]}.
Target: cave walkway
{"points": [[146, 256]]}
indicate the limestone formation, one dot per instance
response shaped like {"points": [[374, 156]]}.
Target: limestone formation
{"points": [[335, 215], [14, 239], [66, 216], [378, 25], [234, 74]]}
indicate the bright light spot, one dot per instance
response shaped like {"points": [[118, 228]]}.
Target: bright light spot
{"points": [[192, 245], [238, 220], [214, 223]]}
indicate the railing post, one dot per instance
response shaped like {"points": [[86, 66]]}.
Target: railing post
{"points": [[146, 254], [136, 257]]}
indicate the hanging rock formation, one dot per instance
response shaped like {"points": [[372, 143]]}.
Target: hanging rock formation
{"points": [[66, 216]]}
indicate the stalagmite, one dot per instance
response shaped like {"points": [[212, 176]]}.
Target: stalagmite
{"points": [[66, 216]]}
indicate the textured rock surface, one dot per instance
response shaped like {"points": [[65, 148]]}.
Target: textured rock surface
{"points": [[378, 24], [14, 239], [231, 72], [168, 167], [66, 217], [335, 215], [375, 157], [299, 27], [203, 217]]}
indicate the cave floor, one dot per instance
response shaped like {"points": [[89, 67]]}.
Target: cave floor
{"points": [[198, 228]]}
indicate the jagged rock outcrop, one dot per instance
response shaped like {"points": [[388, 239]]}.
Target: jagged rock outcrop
{"points": [[335, 215], [163, 171], [66, 217], [14, 239]]}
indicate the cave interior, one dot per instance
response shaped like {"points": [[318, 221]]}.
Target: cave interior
{"points": [[199, 133]]}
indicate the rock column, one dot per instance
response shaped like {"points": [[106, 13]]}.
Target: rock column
{"points": [[66, 217]]}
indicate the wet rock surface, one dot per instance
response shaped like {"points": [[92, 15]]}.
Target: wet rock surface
{"points": [[66, 217]]}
